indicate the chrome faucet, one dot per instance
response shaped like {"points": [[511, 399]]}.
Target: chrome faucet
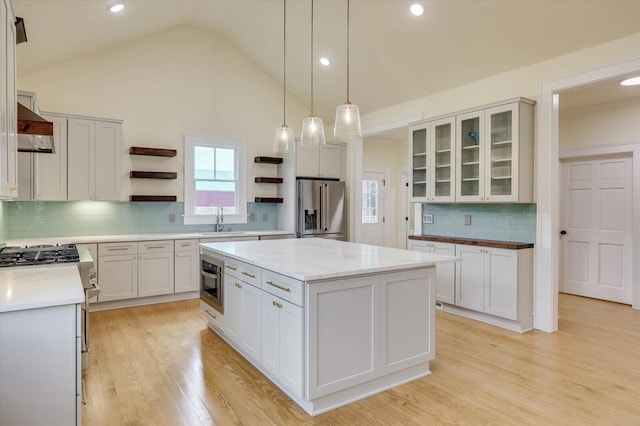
{"points": [[219, 219]]}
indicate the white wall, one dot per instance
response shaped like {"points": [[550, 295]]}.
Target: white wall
{"points": [[163, 85], [378, 155], [606, 124], [520, 82]]}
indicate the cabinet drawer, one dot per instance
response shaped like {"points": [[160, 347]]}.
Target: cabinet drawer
{"points": [[106, 249], [155, 247], [284, 287], [186, 245], [243, 271], [214, 317]]}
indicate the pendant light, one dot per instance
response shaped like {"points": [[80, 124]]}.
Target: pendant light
{"points": [[284, 137], [312, 127], [347, 122]]}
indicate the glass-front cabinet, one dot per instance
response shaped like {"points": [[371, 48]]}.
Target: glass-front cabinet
{"points": [[433, 161], [479, 155]]}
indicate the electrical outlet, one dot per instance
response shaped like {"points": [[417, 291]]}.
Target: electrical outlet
{"points": [[172, 218], [265, 216], [467, 219], [427, 218]]}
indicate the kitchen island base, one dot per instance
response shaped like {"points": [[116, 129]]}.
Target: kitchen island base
{"points": [[352, 337]]}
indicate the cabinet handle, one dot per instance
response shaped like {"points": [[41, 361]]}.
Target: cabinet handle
{"points": [[185, 245], [276, 304], [210, 314], [238, 285], [155, 247], [118, 249], [13, 188], [248, 274], [271, 283], [232, 268]]}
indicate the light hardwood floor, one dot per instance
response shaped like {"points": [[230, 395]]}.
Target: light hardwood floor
{"points": [[161, 365]]}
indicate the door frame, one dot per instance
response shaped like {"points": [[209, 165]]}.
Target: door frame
{"points": [[591, 153], [403, 208], [547, 176], [386, 171]]}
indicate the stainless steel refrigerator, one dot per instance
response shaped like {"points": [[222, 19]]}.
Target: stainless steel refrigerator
{"points": [[321, 209]]}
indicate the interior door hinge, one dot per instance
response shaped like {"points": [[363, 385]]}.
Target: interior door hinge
{"points": [[384, 182], [406, 184], [406, 218], [383, 219]]}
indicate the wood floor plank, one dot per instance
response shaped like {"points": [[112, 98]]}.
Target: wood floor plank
{"points": [[161, 365]]}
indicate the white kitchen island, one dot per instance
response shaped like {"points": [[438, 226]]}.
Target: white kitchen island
{"points": [[327, 321]]}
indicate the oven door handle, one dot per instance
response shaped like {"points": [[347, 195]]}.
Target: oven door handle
{"points": [[207, 274]]}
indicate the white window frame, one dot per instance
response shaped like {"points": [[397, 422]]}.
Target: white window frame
{"points": [[190, 143]]}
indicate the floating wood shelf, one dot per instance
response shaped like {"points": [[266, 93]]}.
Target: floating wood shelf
{"points": [[268, 160], [152, 198], [156, 152], [268, 200], [268, 180], [152, 175]]}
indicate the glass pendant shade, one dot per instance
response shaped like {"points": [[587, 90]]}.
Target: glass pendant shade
{"points": [[312, 132], [347, 122], [283, 139]]}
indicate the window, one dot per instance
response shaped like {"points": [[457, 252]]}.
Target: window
{"points": [[369, 201], [214, 177]]}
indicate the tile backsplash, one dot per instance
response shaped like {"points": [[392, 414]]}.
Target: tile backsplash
{"points": [[28, 219], [504, 222]]}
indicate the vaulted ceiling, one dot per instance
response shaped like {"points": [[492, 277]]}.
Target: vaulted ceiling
{"points": [[395, 57]]}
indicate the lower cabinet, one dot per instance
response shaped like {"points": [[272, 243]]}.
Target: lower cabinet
{"points": [[129, 270], [446, 282], [282, 341], [242, 314], [187, 266], [492, 281]]}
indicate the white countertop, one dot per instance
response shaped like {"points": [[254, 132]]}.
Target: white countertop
{"points": [[39, 287], [140, 237], [312, 259]]}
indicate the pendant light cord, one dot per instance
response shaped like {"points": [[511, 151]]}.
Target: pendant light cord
{"points": [[311, 58], [348, 102], [284, 66]]}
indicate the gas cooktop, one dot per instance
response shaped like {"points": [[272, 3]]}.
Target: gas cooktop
{"points": [[38, 255]]}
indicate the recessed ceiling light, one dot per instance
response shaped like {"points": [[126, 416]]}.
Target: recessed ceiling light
{"points": [[325, 61], [116, 7], [633, 81], [416, 9]]}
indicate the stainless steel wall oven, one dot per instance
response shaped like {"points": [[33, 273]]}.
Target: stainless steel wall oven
{"points": [[212, 282]]}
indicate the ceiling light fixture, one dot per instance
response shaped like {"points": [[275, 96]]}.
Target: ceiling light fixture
{"points": [[416, 9], [116, 7], [284, 137], [347, 122], [312, 127], [633, 81], [325, 61]]}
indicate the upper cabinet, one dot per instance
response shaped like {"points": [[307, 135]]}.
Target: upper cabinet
{"points": [[479, 155], [94, 157], [8, 112], [433, 161], [320, 161]]}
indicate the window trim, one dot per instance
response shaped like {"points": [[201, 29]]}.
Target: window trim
{"points": [[240, 145]]}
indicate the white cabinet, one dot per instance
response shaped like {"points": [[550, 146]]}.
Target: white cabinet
{"points": [[242, 306], [155, 268], [495, 281], [118, 266], [40, 366], [93, 251], [495, 154], [214, 318], [129, 270], [41, 176], [8, 109], [282, 329], [94, 157], [433, 161], [321, 161], [187, 266], [445, 283]]}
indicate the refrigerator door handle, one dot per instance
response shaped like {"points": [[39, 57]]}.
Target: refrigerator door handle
{"points": [[326, 208], [321, 209]]}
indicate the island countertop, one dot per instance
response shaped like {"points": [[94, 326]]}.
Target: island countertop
{"points": [[313, 259]]}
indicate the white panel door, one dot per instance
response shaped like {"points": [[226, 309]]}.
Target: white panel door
{"points": [[470, 277], [155, 274], [108, 157], [251, 322], [372, 216], [597, 215], [81, 159], [118, 277], [50, 170]]}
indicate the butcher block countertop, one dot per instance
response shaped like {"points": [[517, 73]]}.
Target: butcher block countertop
{"points": [[473, 242]]}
